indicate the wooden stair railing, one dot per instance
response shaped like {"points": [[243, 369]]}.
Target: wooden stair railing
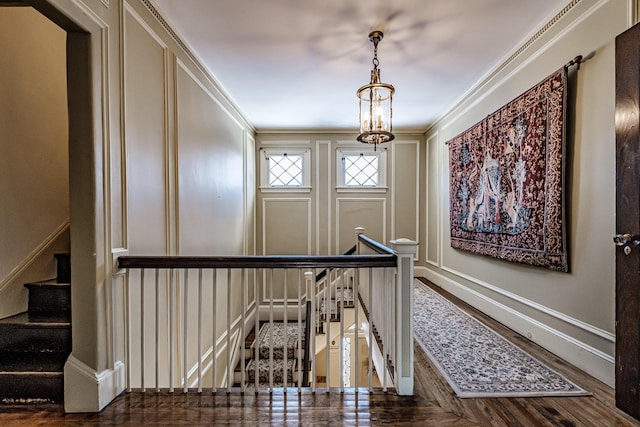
{"points": [[381, 259]]}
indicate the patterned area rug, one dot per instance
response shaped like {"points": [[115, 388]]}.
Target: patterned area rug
{"points": [[475, 360]]}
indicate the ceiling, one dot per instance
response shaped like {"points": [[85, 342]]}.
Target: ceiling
{"points": [[296, 64]]}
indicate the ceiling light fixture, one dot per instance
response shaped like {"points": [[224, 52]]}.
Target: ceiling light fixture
{"points": [[375, 103]]}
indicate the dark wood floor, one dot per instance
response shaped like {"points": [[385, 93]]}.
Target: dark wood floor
{"points": [[434, 404]]}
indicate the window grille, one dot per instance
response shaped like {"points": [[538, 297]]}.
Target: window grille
{"points": [[285, 170], [360, 170]]}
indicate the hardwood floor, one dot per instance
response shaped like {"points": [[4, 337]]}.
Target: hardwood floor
{"points": [[434, 404]]}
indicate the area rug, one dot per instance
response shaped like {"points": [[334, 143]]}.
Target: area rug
{"points": [[475, 360], [507, 180]]}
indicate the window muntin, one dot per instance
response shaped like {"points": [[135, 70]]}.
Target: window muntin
{"points": [[359, 169], [285, 169]]}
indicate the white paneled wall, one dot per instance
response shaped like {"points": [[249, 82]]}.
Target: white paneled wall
{"points": [[320, 221]]}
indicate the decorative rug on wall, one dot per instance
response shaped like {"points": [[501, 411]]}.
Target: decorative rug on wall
{"points": [[507, 177], [475, 360]]}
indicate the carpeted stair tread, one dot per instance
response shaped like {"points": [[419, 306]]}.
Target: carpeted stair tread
{"points": [[49, 298], [343, 296], [31, 387], [31, 320], [281, 338], [35, 345], [35, 362], [263, 370]]}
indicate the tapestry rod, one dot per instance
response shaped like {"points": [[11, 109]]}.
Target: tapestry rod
{"points": [[575, 61]]}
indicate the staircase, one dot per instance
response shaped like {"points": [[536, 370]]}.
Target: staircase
{"points": [[284, 340], [274, 340], [34, 345]]}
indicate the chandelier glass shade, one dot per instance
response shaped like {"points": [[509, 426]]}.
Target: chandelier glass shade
{"points": [[375, 103]]}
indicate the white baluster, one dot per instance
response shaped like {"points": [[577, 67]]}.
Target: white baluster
{"points": [[185, 331], [157, 329], [214, 353], [229, 369], [200, 330], [142, 364]]}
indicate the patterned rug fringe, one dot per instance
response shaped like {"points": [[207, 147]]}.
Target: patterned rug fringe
{"points": [[477, 361]]}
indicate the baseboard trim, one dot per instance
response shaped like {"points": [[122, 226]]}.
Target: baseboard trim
{"points": [[86, 390], [591, 360]]}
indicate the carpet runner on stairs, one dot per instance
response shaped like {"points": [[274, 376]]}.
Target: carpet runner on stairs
{"points": [[281, 338], [34, 345], [342, 295]]}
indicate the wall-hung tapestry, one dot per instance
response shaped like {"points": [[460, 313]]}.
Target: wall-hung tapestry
{"points": [[507, 178]]}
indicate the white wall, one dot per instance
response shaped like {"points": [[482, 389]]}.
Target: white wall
{"points": [[34, 183], [188, 180], [570, 314], [323, 218]]}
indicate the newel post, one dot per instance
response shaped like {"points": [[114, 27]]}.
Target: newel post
{"points": [[405, 250], [359, 231]]}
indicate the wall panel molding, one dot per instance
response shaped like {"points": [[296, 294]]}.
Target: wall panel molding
{"points": [[250, 199], [266, 201], [323, 193], [608, 336], [633, 12], [129, 12], [341, 201], [395, 170], [433, 173], [212, 80], [183, 67]]}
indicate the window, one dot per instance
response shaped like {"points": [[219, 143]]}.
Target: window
{"points": [[284, 169], [359, 169]]}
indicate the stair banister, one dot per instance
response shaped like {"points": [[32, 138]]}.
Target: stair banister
{"points": [[374, 258]]}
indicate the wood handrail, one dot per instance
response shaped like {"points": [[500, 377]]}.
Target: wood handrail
{"points": [[277, 261], [323, 273], [376, 246]]}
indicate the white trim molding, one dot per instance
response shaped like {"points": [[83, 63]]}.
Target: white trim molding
{"points": [[86, 390]]}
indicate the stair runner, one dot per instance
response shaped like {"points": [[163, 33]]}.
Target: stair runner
{"points": [[34, 345], [282, 338], [345, 295]]}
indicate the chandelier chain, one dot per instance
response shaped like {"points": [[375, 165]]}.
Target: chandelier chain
{"points": [[375, 56]]}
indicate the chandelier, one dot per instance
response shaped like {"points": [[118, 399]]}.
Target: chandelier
{"points": [[375, 103]]}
